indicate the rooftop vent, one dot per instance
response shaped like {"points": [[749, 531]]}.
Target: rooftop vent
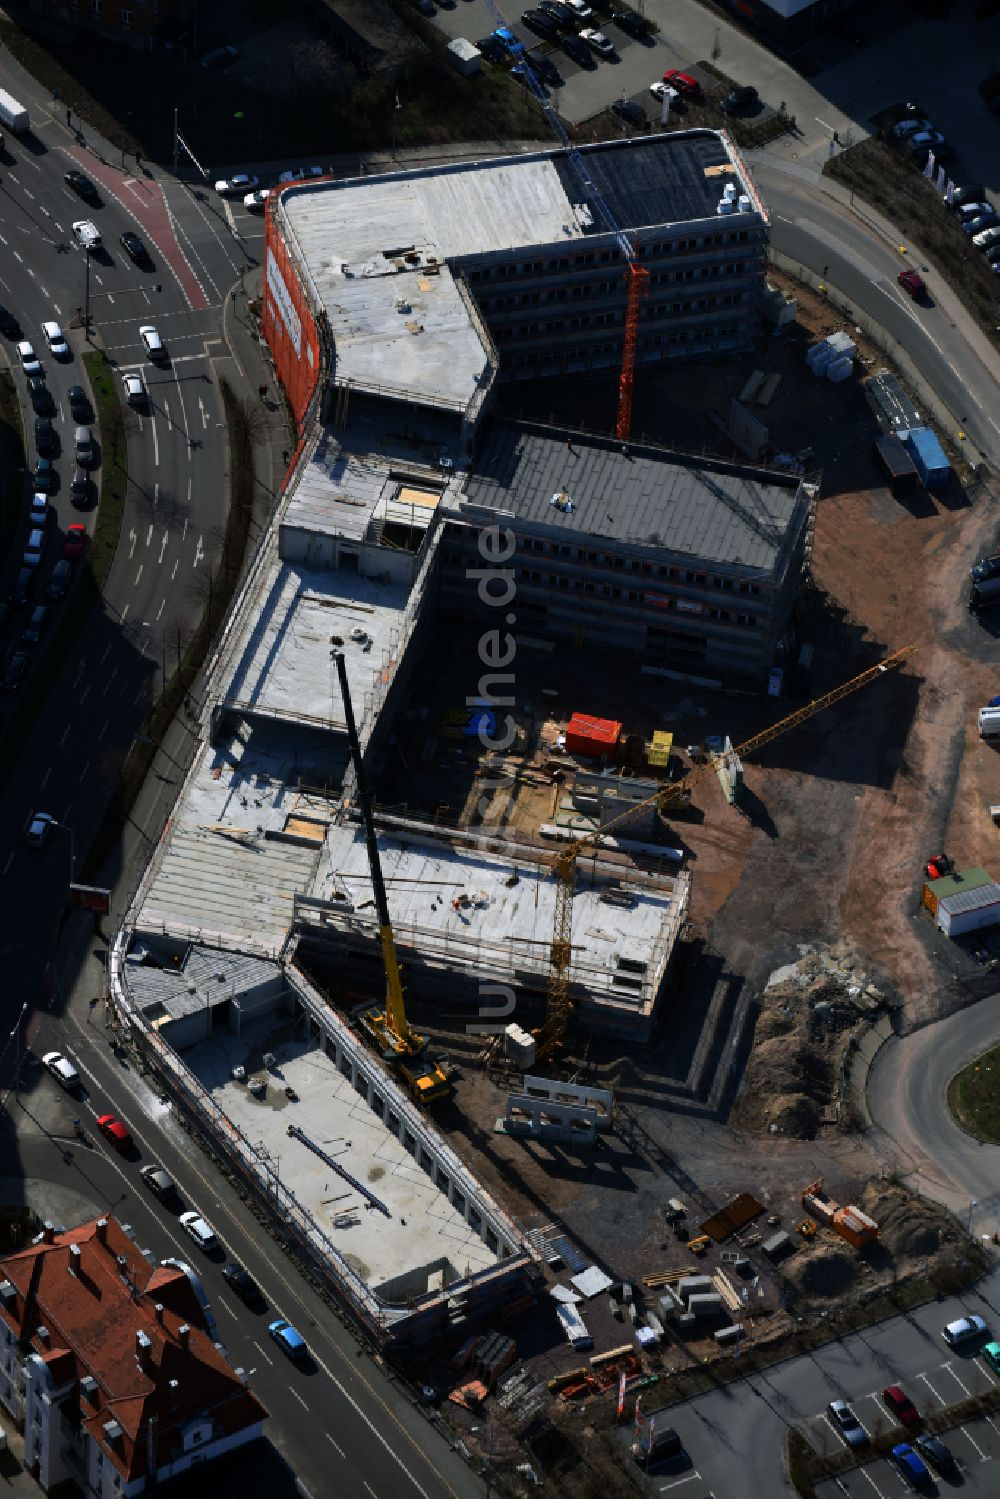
{"points": [[88, 1387], [112, 1431], [183, 1334], [74, 1259], [8, 1292], [101, 1230]]}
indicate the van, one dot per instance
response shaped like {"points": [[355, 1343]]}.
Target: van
{"points": [[83, 437], [13, 114], [989, 723]]}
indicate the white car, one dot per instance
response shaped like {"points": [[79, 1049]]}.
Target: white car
{"points": [[135, 391], [152, 343], [986, 237], [254, 202], [87, 234], [194, 1224], [969, 211], [62, 1070], [301, 174], [661, 91], [235, 187], [963, 1330], [910, 127], [597, 41], [30, 362], [36, 831], [579, 8], [56, 340]]}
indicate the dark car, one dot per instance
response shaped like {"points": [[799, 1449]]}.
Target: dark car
{"points": [[541, 24], [936, 1453], [631, 21], [523, 73], [59, 578], [9, 325], [159, 1182], [21, 591], [44, 477], [41, 396], [901, 1405], [910, 1464], [82, 489], [492, 50], [134, 247], [579, 51], [546, 70], [242, 1283], [966, 194], [79, 404], [984, 221], [992, 254], [560, 13], [986, 567], [13, 670], [35, 627], [628, 109], [46, 440], [739, 98], [80, 184]]}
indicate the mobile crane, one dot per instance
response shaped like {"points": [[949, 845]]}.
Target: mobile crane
{"points": [[386, 1027], [551, 1035]]}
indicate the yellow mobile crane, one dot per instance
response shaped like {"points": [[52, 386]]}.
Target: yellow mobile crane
{"points": [[388, 1029], [551, 1035]]}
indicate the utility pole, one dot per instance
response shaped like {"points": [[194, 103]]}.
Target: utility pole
{"points": [[175, 140], [86, 298]]}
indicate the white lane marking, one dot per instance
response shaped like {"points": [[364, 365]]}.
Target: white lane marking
{"points": [[20, 258], [107, 649], [263, 1355], [10, 860], [688, 1478], [124, 611], [160, 610], [156, 492], [133, 537], [138, 576], [296, 1396], [107, 723], [79, 672], [149, 533], [335, 1445], [184, 421], [177, 564], [163, 545], [185, 530], [199, 552], [865, 1474], [44, 293], [83, 773], [204, 413], [65, 735], [960, 1382], [45, 777], [156, 445], [28, 193], [109, 681], [965, 1433], [83, 694]]}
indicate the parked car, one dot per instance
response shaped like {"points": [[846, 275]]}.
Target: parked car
{"points": [[984, 221], [579, 8], [911, 126], [59, 579], [901, 1405], [44, 477], [199, 1230], [159, 1182], [935, 1452], [991, 1356], [492, 49], [38, 512], [684, 83], [61, 1067], [560, 13], [913, 283], [75, 542], [541, 24], [301, 174], [46, 439], [83, 446], [80, 184], [82, 489], [910, 1464], [235, 187], [134, 248], [973, 208], [926, 140], [986, 237], [36, 832], [115, 1131], [578, 51], [630, 111], [30, 362], [967, 194], [79, 404], [524, 74], [739, 98], [220, 57], [242, 1283], [254, 202], [33, 631], [23, 585], [288, 1339], [13, 670], [601, 44], [661, 91], [546, 70], [152, 343], [631, 21], [34, 549], [846, 1423]]}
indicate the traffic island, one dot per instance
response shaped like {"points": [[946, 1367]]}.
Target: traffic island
{"points": [[974, 1097], [114, 466]]}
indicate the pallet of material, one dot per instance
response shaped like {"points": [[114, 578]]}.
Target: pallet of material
{"points": [[463, 1357], [558, 1380], [625, 1351], [664, 1278], [735, 1215], [470, 1396]]}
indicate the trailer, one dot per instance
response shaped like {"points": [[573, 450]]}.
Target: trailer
{"points": [[892, 457]]}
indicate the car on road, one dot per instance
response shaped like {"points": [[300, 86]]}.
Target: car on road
{"points": [[56, 340], [910, 1464], [87, 234], [220, 57], [254, 202], [135, 391], [44, 477], [40, 395], [80, 184], [684, 83], [630, 111], [46, 438], [61, 1067], [59, 579], [9, 325], [933, 1451], [152, 343], [287, 1338], [83, 447], [113, 1130], [159, 1182], [34, 629], [235, 187], [602, 45], [743, 97], [76, 541], [578, 51], [901, 1405], [79, 404], [301, 174], [82, 489], [23, 585], [846, 1423], [541, 24], [134, 247], [198, 1229], [630, 21], [913, 283], [13, 670], [38, 514], [242, 1283], [30, 362], [34, 549], [36, 831]]}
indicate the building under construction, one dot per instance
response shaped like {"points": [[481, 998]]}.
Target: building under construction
{"points": [[399, 505]]}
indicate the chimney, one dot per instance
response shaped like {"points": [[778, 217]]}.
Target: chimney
{"points": [[183, 1333], [142, 1350], [48, 1232], [101, 1230], [158, 1309], [42, 1334], [74, 1259]]}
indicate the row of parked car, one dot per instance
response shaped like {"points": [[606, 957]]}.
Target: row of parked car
{"points": [[976, 214]]}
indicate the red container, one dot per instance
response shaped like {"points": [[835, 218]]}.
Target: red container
{"points": [[592, 736]]}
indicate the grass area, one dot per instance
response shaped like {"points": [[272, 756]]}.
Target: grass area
{"points": [[974, 1097], [114, 476], [883, 177], [12, 461]]}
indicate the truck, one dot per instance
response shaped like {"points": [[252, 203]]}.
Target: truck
{"points": [[928, 456], [13, 114]]}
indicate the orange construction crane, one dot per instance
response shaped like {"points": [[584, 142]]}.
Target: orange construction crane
{"points": [[552, 1033], [638, 285]]}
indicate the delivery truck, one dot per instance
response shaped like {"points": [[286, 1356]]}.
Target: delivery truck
{"points": [[13, 114]]}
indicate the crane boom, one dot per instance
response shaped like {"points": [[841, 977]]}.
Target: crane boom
{"points": [[551, 1034]]}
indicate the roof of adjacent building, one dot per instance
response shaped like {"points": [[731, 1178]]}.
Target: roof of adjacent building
{"points": [[93, 1307], [718, 512], [971, 900]]}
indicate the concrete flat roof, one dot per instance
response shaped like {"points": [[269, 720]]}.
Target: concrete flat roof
{"points": [[422, 1227], [721, 512], [337, 492]]}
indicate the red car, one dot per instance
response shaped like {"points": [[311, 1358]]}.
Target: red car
{"points": [[901, 1405], [76, 540], [682, 82], [112, 1129], [911, 282]]}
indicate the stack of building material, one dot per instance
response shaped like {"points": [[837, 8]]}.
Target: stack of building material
{"points": [[832, 357], [855, 1226], [494, 1355], [519, 1046]]}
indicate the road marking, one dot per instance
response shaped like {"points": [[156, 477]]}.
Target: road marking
{"points": [[263, 1354], [177, 564], [107, 723], [28, 193], [83, 694], [371, 1490], [961, 1383], [185, 530], [296, 1396], [137, 576], [79, 671], [688, 1478], [45, 777], [871, 1480], [160, 610], [107, 648], [204, 413], [975, 1444], [133, 537], [20, 258], [184, 421], [199, 552], [163, 544], [10, 860], [125, 610], [44, 292], [335, 1445], [156, 492], [65, 735], [156, 445], [83, 773], [109, 681], [228, 211], [149, 534]]}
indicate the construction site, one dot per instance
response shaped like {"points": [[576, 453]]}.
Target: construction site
{"points": [[559, 821]]}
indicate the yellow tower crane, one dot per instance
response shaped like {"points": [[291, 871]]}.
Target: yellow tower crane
{"points": [[551, 1035]]}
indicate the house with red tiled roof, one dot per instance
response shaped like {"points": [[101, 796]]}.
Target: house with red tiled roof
{"points": [[111, 1366]]}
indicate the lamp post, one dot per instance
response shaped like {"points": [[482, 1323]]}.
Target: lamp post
{"points": [[17, 1061], [72, 857], [973, 1204], [86, 296]]}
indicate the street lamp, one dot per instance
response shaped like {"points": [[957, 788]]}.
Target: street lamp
{"points": [[86, 297], [72, 857], [17, 1062], [972, 1204]]}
